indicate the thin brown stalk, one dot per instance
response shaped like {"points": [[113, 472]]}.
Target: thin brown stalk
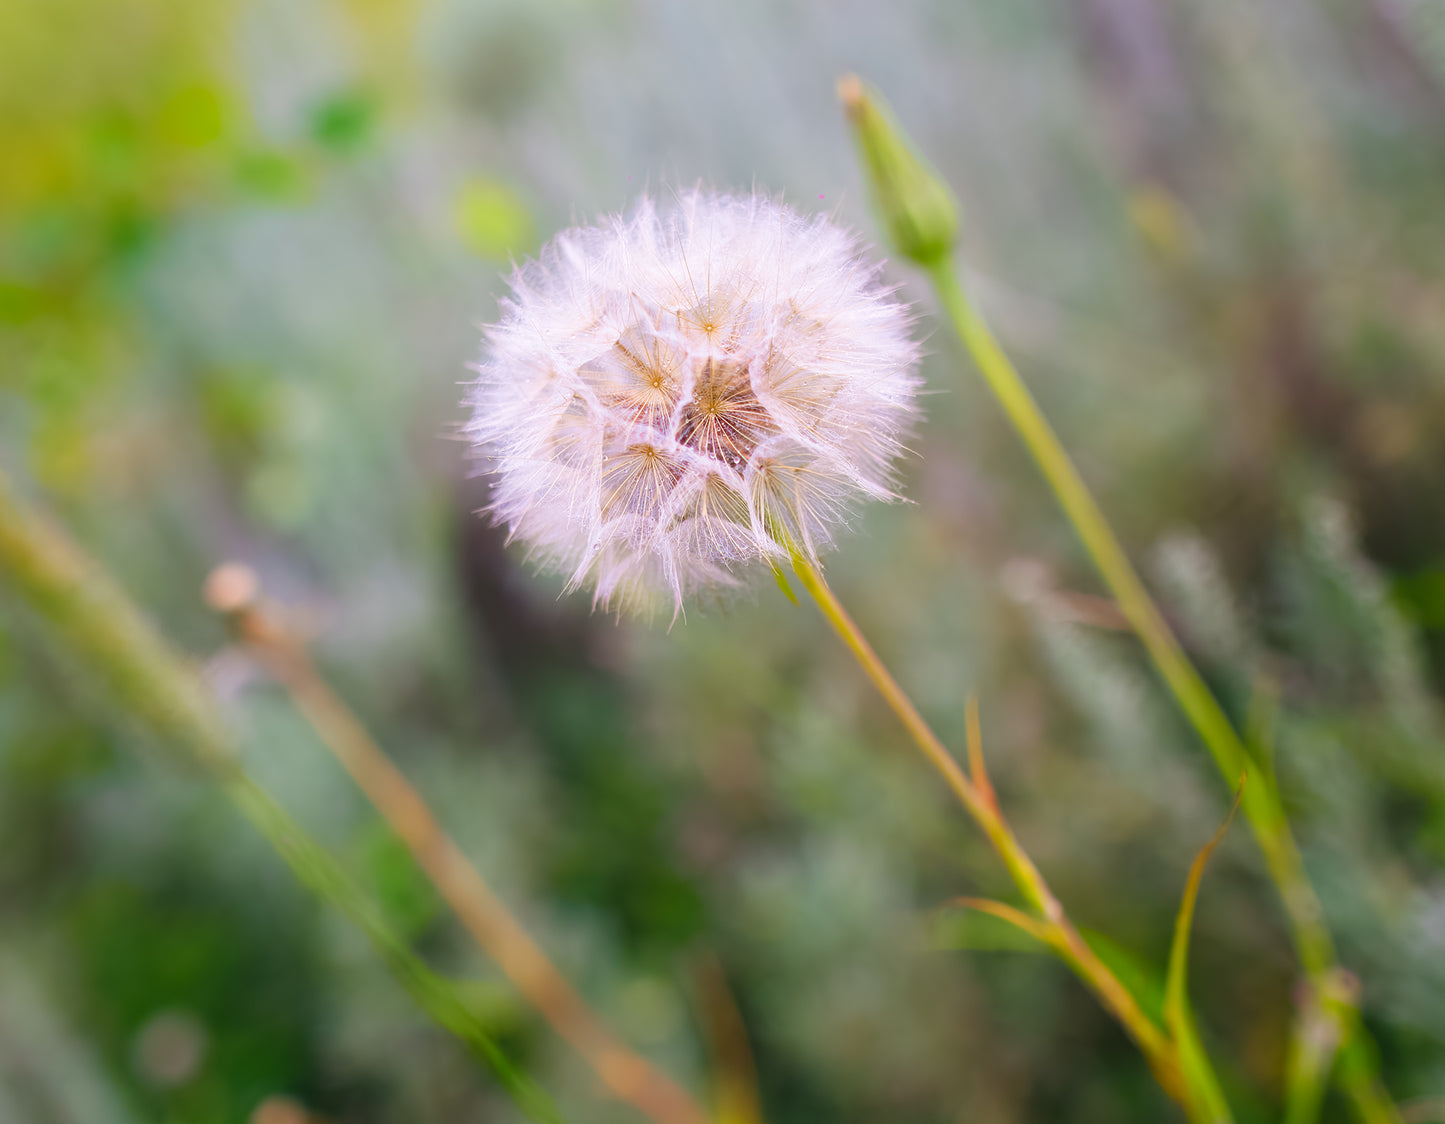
{"points": [[735, 1075], [979, 801], [626, 1074], [98, 626]]}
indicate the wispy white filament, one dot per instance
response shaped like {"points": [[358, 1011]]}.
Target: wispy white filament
{"points": [[673, 395]]}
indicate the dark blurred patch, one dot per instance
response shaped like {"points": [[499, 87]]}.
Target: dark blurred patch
{"points": [[495, 61], [236, 989], [614, 849]]}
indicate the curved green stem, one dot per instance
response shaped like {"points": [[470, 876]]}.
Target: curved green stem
{"points": [[319, 872], [1262, 805]]}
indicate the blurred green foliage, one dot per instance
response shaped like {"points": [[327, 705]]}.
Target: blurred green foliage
{"points": [[245, 248]]}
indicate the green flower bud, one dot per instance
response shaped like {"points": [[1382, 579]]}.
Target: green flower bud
{"points": [[917, 209]]}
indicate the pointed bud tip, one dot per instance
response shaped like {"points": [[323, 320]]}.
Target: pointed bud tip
{"points": [[916, 208], [851, 94]]}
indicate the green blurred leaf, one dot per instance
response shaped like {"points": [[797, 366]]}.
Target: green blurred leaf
{"points": [[1422, 597], [1141, 979], [194, 116], [274, 176], [239, 409], [345, 122], [782, 579], [407, 899], [142, 951], [18, 303], [492, 221]]}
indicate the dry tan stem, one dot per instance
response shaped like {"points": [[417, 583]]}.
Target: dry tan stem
{"points": [[735, 1075], [979, 801], [626, 1074]]}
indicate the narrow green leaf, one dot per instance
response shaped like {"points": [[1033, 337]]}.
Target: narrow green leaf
{"points": [[1207, 1104], [782, 580], [438, 996], [1260, 723], [980, 925], [1358, 1069], [1142, 980], [1314, 1043]]}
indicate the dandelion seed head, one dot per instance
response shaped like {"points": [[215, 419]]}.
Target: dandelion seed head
{"points": [[674, 395]]}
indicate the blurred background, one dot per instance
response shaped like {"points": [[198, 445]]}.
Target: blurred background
{"points": [[246, 247]]}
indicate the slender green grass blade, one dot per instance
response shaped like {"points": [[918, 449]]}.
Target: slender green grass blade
{"points": [[1207, 1102]]}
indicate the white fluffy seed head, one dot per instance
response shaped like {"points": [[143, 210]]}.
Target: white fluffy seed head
{"points": [[672, 396]]}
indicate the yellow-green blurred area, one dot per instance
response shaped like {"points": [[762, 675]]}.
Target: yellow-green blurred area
{"points": [[246, 251]]}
